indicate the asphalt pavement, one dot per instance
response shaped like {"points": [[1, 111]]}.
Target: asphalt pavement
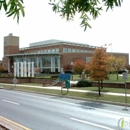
{"points": [[46, 112]]}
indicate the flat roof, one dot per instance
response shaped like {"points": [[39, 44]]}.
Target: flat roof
{"points": [[54, 41]]}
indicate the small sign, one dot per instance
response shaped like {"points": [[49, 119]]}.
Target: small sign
{"points": [[15, 80], [64, 76], [125, 75]]}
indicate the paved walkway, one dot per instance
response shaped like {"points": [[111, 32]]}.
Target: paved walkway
{"points": [[73, 90]]}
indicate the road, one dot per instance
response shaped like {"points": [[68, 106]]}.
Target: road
{"points": [[43, 112]]}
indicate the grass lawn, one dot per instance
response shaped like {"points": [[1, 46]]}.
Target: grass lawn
{"points": [[90, 96], [112, 78]]}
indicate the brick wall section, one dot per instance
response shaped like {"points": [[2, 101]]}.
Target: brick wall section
{"points": [[67, 58], [27, 80], [113, 85]]}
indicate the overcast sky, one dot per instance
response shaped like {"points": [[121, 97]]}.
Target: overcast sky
{"points": [[40, 24]]}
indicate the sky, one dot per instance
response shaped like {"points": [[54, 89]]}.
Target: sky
{"points": [[41, 23]]}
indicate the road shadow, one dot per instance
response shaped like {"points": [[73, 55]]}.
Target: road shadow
{"points": [[91, 105], [92, 102]]}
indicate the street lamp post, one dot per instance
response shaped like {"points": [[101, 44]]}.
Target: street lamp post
{"points": [[125, 76], [72, 69]]}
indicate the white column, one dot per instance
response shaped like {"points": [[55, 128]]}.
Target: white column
{"points": [[14, 69], [25, 69], [32, 69], [58, 64], [28, 69], [51, 64], [21, 69], [17, 69], [54, 64]]}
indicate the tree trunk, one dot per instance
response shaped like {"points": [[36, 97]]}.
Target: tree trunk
{"points": [[117, 75], [101, 84], [99, 88]]}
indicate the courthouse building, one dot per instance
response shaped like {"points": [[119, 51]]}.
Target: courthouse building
{"points": [[50, 55]]}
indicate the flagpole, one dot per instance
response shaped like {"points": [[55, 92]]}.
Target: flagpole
{"points": [[110, 44], [111, 49]]}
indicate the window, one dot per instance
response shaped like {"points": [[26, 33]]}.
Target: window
{"points": [[69, 50], [56, 61], [53, 50], [64, 49], [46, 62], [57, 49], [73, 50], [45, 51], [49, 50]]}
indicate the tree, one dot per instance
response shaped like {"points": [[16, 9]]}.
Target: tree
{"points": [[119, 64], [127, 67], [86, 9], [12, 8], [79, 66], [37, 69], [1, 68], [67, 67], [111, 60], [66, 8], [99, 67], [87, 69]]}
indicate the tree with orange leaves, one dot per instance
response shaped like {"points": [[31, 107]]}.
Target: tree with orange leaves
{"points": [[98, 67], [79, 66], [87, 69], [118, 64], [67, 67], [111, 60]]}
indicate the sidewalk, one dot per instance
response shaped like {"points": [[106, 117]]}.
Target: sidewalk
{"points": [[72, 90]]}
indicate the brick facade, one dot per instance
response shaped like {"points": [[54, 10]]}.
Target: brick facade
{"points": [[67, 51]]}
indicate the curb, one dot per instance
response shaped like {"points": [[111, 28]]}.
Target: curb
{"points": [[10, 125]]}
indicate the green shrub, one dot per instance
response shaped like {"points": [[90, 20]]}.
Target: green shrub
{"points": [[83, 83], [55, 76]]}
